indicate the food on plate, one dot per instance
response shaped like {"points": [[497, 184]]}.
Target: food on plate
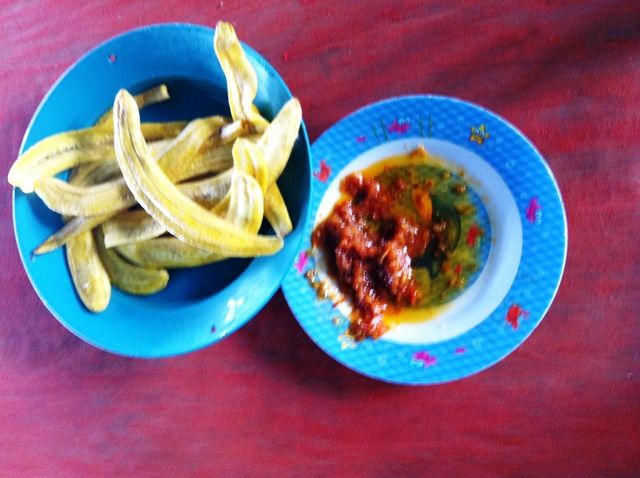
{"points": [[136, 225], [162, 200], [141, 198], [153, 95], [242, 81], [88, 272], [393, 240], [166, 252], [134, 279]]}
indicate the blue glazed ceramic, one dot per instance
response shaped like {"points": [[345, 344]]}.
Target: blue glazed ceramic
{"points": [[522, 252], [202, 305]]}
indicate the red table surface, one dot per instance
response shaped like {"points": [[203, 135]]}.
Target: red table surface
{"points": [[266, 401]]}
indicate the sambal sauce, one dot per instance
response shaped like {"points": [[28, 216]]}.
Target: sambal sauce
{"points": [[371, 249], [390, 240]]}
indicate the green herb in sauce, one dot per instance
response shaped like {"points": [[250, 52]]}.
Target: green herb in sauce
{"points": [[445, 268]]}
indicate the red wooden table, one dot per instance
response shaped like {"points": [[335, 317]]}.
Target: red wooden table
{"points": [[266, 401]]}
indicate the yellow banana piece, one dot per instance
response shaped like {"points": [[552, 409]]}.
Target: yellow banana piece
{"points": [[275, 210], [182, 154], [210, 159], [276, 145], [71, 229], [137, 225], [166, 252], [246, 203], [244, 210], [88, 274], [153, 95], [208, 191], [242, 81], [155, 192], [127, 277], [133, 226], [248, 158], [114, 195], [277, 141], [72, 200], [130, 226], [62, 151]]}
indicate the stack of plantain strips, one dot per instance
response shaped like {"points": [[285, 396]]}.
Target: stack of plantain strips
{"points": [[142, 198]]}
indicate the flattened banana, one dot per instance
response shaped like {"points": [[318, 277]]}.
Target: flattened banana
{"points": [[275, 210], [62, 151], [72, 200], [114, 195], [277, 141], [134, 241], [87, 272], [72, 228], [210, 159], [155, 192], [88, 174], [166, 252], [131, 226], [246, 203], [153, 95], [248, 158], [242, 81], [127, 277], [137, 225], [208, 191], [179, 156]]}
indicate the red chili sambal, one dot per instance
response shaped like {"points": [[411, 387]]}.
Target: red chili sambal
{"points": [[370, 245]]}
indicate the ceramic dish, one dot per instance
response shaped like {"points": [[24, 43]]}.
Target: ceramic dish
{"points": [[522, 255], [200, 305]]}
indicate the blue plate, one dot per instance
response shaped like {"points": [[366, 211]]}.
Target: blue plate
{"points": [[201, 305], [522, 252]]}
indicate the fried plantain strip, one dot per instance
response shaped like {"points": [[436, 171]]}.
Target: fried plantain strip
{"points": [[131, 226], [88, 174], [72, 200], [137, 225], [127, 277], [278, 139], [166, 252], [71, 229], [248, 157], [211, 158], [246, 203], [186, 158], [276, 145], [208, 191], [153, 95], [62, 151], [88, 274], [155, 192], [275, 210], [171, 252], [242, 81], [114, 195]]}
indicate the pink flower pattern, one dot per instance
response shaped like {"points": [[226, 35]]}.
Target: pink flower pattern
{"points": [[425, 358], [301, 262]]}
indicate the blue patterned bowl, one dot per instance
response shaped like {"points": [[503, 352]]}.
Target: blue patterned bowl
{"points": [[522, 255]]}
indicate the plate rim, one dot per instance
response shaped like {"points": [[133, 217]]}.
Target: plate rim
{"points": [[175, 28], [550, 175]]}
